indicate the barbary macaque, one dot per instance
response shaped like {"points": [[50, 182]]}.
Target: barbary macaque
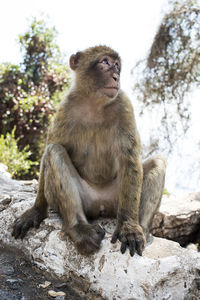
{"points": [[91, 166]]}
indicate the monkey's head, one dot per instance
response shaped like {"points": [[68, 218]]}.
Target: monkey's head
{"points": [[97, 71]]}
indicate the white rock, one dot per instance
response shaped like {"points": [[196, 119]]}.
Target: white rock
{"points": [[165, 271], [178, 218], [3, 170]]}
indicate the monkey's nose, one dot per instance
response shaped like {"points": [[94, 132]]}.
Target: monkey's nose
{"points": [[115, 77]]}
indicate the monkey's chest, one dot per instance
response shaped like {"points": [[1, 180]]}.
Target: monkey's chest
{"points": [[95, 159]]}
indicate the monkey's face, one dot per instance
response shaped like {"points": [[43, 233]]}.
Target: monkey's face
{"points": [[97, 71], [107, 76]]}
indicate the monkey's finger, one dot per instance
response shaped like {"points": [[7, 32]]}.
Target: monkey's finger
{"points": [[115, 236], [131, 242], [87, 246], [15, 222], [17, 228], [36, 223], [91, 248], [139, 246], [25, 227], [93, 245], [16, 231], [124, 244], [100, 231], [23, 232]]}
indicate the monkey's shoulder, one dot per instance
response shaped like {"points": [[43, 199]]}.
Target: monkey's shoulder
{"points": [[126, 105]]}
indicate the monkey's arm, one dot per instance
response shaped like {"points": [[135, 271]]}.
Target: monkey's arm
{"points": [[128, 230]]}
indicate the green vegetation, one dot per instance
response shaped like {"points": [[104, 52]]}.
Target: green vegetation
{"points": [[29, 93], [166, 192], [17, 161]]}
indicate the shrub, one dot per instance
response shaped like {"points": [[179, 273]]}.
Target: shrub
{"points": [[18, 162], [30, 91]]}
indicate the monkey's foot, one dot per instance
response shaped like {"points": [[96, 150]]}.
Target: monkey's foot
{"points": [[31, 218], [87, 237], [131, 236]]}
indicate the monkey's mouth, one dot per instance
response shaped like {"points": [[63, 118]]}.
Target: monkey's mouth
{"points": [[111, 88], [110, 91]]}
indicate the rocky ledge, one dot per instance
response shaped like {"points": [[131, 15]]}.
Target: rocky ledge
{"points": [[178, 219], [165, 271]]}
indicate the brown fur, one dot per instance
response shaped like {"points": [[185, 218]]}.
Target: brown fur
{"points": [[91, 166]]}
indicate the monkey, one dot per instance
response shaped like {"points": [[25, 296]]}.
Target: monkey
{"points": [[91, 166]]}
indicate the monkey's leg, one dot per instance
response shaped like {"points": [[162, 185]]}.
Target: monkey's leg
{"points": [[62, 189], [152, 190], [33, 216]]}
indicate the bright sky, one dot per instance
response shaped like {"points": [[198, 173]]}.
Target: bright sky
{"points": [[128, 26]]}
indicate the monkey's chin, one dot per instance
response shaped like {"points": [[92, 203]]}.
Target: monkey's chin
{"points": [[110, 92]]}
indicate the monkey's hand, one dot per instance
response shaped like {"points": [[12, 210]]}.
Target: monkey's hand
{"points": [[31, 218], [131, 236]]}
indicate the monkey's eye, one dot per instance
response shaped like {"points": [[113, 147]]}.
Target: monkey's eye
{"points": [[105, 61], [117, 66]]}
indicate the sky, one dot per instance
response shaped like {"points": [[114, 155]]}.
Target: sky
{"points": [[128, 26]]}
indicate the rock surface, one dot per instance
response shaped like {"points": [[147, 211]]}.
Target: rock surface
{"points": [[165, 271], [21, 280], [178, 218]]}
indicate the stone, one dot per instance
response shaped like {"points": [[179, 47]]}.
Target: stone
{"points": [[60, 298], [6, 270], [56, 294], [5, 295], [178, 218], [4, 170], [165, 271], [13, 283], [45, 284]]}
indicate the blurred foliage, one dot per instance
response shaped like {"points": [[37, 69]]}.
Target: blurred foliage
{"points": [[29, 92], [172, 68], [166, 192], [17, 161]]}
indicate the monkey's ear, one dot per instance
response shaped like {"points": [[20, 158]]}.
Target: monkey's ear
{"points": [[73, 61]]}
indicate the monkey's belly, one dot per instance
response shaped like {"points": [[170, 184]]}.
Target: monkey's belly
{"points": [[100, 201], [96, 169]]}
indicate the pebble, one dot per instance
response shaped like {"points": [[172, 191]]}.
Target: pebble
{"points": [[56, 294], [4, 295], [60, 298], [7, 270]]}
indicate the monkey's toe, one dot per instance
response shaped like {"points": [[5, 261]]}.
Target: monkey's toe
{"points": [[140, 244], [31, 218], [100, 231], [20, 228]]}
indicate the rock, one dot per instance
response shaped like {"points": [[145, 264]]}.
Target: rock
{"points": [[178, 218], [56, 294], [192, 247], [165, 271], [5, 295], [44, 285], [13, 283], [3, 170], [60, 298], [6, 270]]}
